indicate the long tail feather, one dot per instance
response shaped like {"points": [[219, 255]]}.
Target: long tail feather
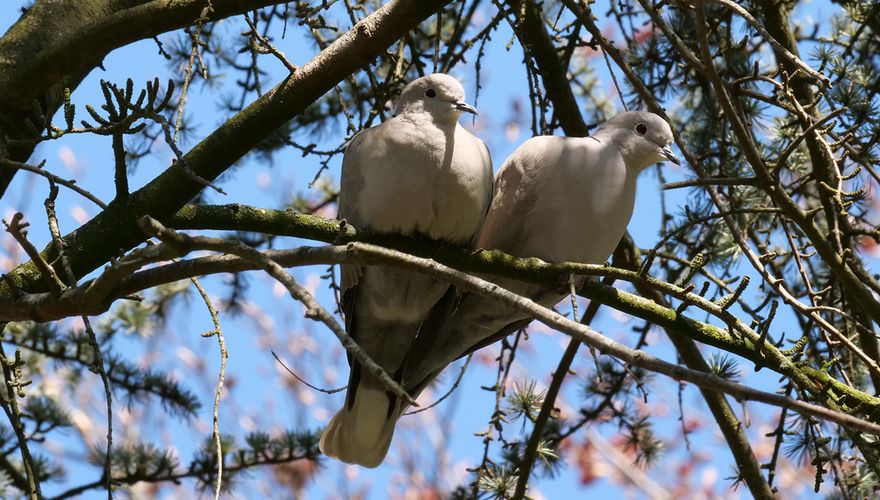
{"points": [[361, 433]]}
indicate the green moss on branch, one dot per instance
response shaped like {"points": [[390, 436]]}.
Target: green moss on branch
{"points": [[288, 223]]}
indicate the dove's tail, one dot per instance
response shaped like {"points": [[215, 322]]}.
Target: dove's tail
{"points": [[361, 433]]}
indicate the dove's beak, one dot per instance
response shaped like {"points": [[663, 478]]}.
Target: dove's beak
{"points": [[463, 106], [669, 155]]}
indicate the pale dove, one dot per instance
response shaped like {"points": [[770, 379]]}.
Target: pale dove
{"points": [[418, 173], [561, 200]]}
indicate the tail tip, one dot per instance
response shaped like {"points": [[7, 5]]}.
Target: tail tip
{"points": [[336, 442]]}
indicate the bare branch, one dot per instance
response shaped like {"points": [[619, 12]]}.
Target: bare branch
{"points": [[314, 310], [71, 184], [116, 228]]}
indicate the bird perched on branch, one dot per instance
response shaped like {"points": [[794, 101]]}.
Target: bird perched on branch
{"points": [[561, 199], [419, 173]]}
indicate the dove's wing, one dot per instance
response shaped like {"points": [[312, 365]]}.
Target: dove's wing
{"points": [[558, 199], [409, 176], [479, 176], [510, 206], [351, 183], [561, 199], [383, 188]]}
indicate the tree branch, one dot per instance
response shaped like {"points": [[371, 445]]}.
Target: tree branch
{"points": [[101, 238], [381, 256], [47, 43], [49, 50], [95, 296], [555, 80], [183, 244]]}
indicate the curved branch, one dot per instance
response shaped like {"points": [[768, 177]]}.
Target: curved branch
{"points": [[101, 238], [48, 42], [374, 255], [120, 279], [52, 47]]}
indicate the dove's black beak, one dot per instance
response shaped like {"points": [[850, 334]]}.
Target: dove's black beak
{"points": [[463, 106], [669, 155]]}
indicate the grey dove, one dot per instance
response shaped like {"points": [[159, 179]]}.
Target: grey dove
{"points": [[418, 173], [561, 199]]}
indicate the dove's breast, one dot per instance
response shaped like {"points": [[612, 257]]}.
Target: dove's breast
{"points": [[425, 180], [580, 199], [462, 191]]}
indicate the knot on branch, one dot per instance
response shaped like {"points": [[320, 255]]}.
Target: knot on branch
{"points": [[17, 228]]}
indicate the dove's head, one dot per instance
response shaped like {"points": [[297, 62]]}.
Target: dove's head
{"points": [[439, 95], [644, 138]]}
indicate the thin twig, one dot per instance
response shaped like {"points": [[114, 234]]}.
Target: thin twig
{"points": [[549, 404], [614, 79], [98, 367], [319, 389], [195, 39], [18, 230], [218, 445], [98, 361], [265, 44], [496, 421], [711, 181], [450, 391], [71, 184], [314, 310], [14, 390]]}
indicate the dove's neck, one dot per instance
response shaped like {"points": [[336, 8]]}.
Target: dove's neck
{"points": [[635, 159], [416, 113]]}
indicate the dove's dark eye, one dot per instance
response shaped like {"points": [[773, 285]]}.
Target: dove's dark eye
{"points": [[641, 129], [431, 93]]}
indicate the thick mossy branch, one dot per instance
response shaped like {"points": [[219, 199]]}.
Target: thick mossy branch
{"points": [[47, 43], [288, 223], [115, 229], [50, 50], [736, 337]]}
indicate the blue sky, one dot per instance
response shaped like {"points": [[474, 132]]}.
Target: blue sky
{"points": [[260, 396]]}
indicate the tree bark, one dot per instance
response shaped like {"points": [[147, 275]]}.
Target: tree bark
{"points": [[555, 80], [115, 230], [56, 43]]}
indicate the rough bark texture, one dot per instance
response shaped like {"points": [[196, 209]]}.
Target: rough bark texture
{"points": [[535, 37], [114, 230], [56, 43]]}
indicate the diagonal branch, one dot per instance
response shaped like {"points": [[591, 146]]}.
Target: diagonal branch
{"points": [[555, 80], [115, 228], [587, 335], [50, 49], [184, 244], [83, 32]]}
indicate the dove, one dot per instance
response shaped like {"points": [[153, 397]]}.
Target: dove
{"points": [[419, 173], [560, 199]]}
